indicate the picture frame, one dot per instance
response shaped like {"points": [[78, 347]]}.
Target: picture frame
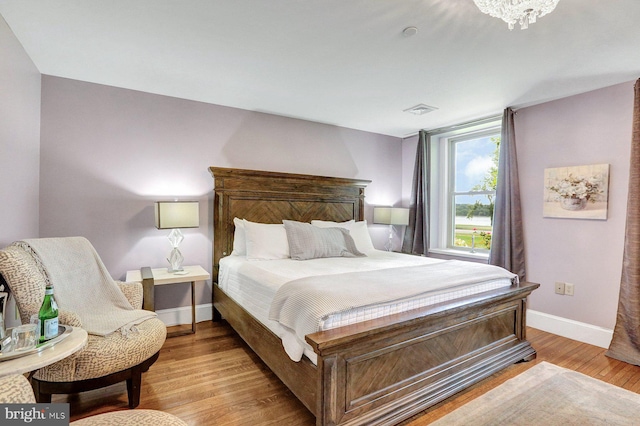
{"points": [[576, 192]]}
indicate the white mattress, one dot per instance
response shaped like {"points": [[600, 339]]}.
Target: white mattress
{"points": [[253, 285]]}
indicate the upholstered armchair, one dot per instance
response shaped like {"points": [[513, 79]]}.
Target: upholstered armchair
{"points": [[15, 389], [88, 298]]}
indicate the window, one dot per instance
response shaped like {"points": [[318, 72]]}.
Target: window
{"points": [[462, 184]]}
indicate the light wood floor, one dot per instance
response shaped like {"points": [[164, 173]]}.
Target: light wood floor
{"points": [[213, 378]]}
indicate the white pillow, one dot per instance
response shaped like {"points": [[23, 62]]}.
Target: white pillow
{"points": [[358, 230], [266, 241], [239, 238]]}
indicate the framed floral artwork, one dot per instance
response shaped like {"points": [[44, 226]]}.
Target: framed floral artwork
{"points": [[579, 192]]}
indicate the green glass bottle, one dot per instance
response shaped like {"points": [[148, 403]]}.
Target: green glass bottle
{"points": [[48, 316]]}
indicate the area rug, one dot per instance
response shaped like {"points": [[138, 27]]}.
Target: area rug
{"points": [[549, 395]]}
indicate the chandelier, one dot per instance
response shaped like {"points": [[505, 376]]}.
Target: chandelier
{"points": [[524, 12]]}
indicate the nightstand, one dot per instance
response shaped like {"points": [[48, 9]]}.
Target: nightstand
{"points": [[153, 277]]}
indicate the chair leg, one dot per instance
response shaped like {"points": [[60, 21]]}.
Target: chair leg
{"points": [[41, 398], [134, 384]]}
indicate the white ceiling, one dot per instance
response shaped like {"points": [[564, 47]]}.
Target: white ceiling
{"points": [[341, 62]]}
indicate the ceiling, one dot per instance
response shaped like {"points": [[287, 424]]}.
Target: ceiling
{"points": [[340, 62]]}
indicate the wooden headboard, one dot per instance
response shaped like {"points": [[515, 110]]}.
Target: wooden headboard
{"points": [[270, 197]]}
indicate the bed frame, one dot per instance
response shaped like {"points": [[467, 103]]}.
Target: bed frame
{"points": [[380, 371]]}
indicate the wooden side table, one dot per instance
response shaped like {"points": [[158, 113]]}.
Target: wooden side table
{"points": [[153, 277]]}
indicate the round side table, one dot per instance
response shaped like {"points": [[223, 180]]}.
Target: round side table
{"points": [[75, 341]]}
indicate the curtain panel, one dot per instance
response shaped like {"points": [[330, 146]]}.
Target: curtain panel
{"points": [[507, 240], [416, 234], [625, 344]]}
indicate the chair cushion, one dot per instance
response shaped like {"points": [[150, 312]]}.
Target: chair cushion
{"points": [[131, 417], [105, 355], [16, 389]]}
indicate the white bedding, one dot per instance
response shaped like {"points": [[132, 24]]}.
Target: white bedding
{"points": [[253, 285]]}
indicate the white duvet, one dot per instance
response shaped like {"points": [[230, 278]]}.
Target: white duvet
{"points": [[254, 284]]}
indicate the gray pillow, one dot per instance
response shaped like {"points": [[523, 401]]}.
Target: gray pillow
{"points": [[310, 242]]}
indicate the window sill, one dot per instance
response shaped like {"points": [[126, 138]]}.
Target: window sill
{"points": [[459, 254]]}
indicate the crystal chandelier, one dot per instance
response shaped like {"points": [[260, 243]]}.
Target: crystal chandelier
{"points": [[524, 12]]}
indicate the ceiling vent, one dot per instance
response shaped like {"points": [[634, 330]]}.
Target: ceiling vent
{"points": [[420, 109]]}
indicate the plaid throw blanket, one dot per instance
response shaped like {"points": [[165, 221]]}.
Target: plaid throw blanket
{"points": [[83, 285]]}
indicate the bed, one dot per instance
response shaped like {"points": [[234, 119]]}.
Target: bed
{"points": [[379, 371]]}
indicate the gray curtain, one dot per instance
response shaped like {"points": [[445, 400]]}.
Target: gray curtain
{"points": [[507, 241], [625, 345], [416, 234]]}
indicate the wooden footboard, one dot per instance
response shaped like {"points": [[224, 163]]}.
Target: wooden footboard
{"points": [[394, 368], [386, 370]]}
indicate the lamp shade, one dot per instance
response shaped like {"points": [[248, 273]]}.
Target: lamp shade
{"points": [[391, 215], [177, 214]]}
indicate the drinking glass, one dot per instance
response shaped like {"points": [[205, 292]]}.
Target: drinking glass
{"points": [[24, 337], [35, 320]]}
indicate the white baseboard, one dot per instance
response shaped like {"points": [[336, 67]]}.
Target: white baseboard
{"points": [[580, 331], [182, 315]]}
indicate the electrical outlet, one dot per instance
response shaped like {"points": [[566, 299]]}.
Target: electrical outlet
{"points": [[559, 287], [568, 289]]}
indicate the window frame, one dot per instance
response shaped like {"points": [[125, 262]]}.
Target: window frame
{"points": [[441, 183]]}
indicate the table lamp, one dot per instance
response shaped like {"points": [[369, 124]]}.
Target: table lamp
{"points": [[390, 216], [175, 215]]}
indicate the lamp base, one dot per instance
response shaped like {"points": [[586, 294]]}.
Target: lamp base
{"points": [[389, 245], [175, 260]]}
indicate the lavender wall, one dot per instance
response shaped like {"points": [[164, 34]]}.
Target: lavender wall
{"points": [[19, 140], [591, 128], [108, 153]]}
